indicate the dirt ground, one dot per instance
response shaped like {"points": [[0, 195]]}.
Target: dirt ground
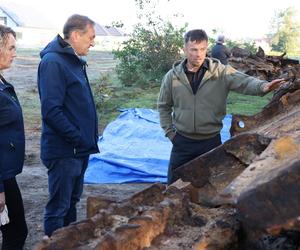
{"points": [[33, 180]]}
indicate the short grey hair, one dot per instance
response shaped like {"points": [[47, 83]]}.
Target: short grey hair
{"points": [[221, 39], [76, 22], [4, 32]]}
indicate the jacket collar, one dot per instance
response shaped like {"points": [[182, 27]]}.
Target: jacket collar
{"points": [[59, 45], [4, 84], [204, 65]]}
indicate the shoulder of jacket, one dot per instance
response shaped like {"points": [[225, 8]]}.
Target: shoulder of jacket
{"points": [[51, 56], [214, 64], [55, 58], [173, 75], [169, 74], [212, 61]]}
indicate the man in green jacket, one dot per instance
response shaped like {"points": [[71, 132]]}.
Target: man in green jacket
{"points": [[192, 100]]}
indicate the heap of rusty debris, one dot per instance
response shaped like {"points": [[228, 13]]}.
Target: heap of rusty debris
{"points": [[245, 194]]}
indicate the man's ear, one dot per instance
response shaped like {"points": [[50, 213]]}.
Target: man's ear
{"points": [[74, 35]]}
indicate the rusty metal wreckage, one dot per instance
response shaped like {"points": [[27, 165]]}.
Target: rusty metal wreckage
{"points": [[245, 194]]}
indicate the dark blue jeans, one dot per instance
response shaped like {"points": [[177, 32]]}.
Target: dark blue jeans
{"points": [[185, 149], [65, 184]]}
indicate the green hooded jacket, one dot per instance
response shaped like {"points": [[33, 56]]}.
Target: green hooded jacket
{"points": [[200, 115]]}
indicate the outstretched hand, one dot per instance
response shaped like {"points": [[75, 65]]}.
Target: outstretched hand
{"points": [[273, 85]]}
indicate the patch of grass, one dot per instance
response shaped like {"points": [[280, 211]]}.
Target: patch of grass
{"points": [[145, 98], [27, 52], [31, 107], [123, 97], [246, 105]]}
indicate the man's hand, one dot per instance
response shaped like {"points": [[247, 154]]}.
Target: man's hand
{"points": [[273, 85], [2, 201], [171, 135]]}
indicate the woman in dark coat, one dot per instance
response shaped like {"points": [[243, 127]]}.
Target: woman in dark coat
{"points": [[12, 148]]}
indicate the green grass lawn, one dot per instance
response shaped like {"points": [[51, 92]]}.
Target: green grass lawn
{"points": [[246, 105], [123, 97], [31, 108]]}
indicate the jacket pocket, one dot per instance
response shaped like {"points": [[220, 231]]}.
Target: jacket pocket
{"points": [[184, 120], [12, 156]]}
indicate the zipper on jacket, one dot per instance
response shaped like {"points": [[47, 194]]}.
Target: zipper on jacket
{"points": [[12, 145], [195, 112]]}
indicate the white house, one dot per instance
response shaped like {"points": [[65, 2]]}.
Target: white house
{"points": [[108, 37], [34, 30]]}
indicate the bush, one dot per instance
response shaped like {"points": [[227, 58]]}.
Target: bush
{"points": [[150, 52], [102, 91]]}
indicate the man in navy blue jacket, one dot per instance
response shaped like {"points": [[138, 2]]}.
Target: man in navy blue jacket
{"points": [[69, 119], [220, 51]]}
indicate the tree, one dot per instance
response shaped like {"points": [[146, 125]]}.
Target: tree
{"points": [[154, 45], [285, 32]]}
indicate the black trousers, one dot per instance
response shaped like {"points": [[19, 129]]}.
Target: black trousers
{"points": [[186, 149], [15, 232]]}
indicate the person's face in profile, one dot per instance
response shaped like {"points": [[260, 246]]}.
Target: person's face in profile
{"points": [[195, 52], [7, 52], [84, 40]]}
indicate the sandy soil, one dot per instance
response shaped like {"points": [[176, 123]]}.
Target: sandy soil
{"points": [[33, 180]]}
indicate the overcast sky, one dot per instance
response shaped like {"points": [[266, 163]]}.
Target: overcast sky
{"points": [[236, 18]]}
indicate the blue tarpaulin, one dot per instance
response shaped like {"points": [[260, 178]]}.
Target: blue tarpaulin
{"points": [[134, 149]]}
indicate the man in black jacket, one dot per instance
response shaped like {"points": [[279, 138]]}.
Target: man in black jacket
{"points": [[69, 119], [220, 51]]}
